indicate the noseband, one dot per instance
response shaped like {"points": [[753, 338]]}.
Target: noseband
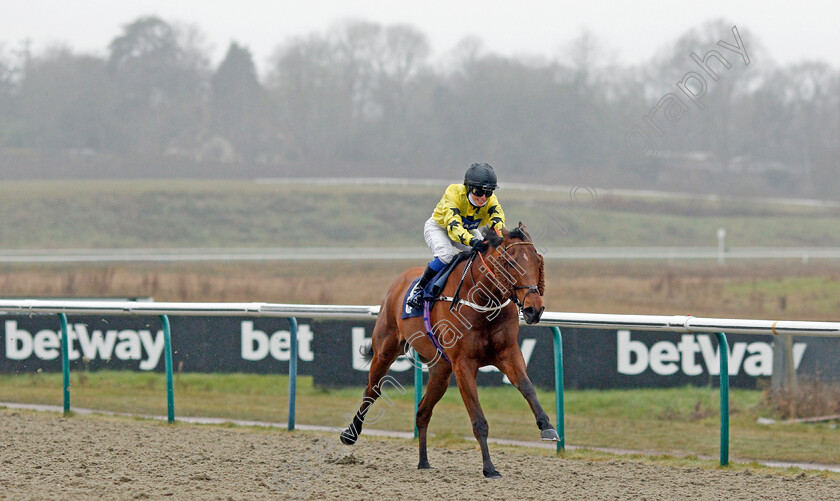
{"points": [[530, 288]]}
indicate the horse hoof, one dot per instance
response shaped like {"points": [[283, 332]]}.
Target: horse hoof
{"points": [[424, 466], [550, 435], [348, 438], [492, 474]]}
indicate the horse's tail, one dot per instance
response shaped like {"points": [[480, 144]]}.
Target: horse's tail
{"points": [[367, 352]]}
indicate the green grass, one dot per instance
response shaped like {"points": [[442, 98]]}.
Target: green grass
{"points": [[820, 293], [671, 421], [197, 213]]}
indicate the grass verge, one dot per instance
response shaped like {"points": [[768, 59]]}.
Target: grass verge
{"points": [[213, 213], [682, 421]]}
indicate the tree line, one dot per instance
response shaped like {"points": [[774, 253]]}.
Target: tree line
{"points": [[364, 99]]}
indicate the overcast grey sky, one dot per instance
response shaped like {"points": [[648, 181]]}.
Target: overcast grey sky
{"points": [[632, 30]]}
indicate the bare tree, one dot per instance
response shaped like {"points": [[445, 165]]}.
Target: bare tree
{"points": [[313, 110], [65, 101]]}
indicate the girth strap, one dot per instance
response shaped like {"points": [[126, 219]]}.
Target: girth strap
{"points": [[428, 324]]}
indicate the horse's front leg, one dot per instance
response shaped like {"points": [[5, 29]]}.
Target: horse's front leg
{"points": [[465, 372], [513, 366]]}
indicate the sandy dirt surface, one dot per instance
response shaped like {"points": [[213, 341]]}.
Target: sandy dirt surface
{"points": [[45, 456]]}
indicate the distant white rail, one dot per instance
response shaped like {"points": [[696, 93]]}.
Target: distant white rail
{"points": [[395, 254]]}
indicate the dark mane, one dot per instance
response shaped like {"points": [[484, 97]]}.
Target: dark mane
{"points": [[518, 233], [491, 236]]}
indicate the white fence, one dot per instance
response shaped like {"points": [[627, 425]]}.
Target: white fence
{"points": [[805, 254], [674, 323], [554, 320]]}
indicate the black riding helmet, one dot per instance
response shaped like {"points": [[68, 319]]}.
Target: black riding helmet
{"points": [[481, 177]]}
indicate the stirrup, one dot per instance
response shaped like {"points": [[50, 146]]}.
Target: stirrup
{"points": [[416, 299]]}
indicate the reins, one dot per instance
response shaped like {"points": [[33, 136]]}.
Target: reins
{"points": [[456, 298], [483, 309], [485, 267], [468, 268]]}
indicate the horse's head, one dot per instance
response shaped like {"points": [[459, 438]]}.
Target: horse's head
{"points": [[521, 272]]}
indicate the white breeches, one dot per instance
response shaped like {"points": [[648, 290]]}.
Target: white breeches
{"points": [[439, 242]]}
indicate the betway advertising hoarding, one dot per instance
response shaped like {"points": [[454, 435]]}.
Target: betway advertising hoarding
{"points": [[330, 351], [199, 344]]}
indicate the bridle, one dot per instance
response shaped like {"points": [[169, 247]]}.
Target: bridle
{"points": [[455, 300], [530, 288]]}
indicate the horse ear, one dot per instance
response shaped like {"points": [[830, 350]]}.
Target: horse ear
{"points": [[525, 231]]}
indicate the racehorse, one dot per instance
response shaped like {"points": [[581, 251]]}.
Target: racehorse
{"points": [[469, 334]]}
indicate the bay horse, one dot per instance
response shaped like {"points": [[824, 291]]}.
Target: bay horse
{"points": [[481, 330]]}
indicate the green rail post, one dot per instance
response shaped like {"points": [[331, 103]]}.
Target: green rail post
{"points": [[167, 351], [293, 357], [723, 348], [558, 388], [418, 387], [65, 361]]}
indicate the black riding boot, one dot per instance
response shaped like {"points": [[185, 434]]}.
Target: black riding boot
{"points": [[415, 298]]}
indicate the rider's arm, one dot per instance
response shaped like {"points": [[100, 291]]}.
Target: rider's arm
{"points": [[451, 215], [495, 214]]}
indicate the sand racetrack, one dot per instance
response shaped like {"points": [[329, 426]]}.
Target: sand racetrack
{"points": [[45, 456]]}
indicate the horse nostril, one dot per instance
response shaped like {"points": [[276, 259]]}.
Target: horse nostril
{"points": [[532, 315]]}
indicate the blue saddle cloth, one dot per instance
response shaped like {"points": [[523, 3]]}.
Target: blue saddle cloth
{"points": [[408, 311], [433, 289]]}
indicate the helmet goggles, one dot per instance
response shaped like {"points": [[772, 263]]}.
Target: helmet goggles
{"points": [[482, 191]]}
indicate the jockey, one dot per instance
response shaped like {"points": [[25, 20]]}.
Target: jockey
{"points": [[454, 222]]}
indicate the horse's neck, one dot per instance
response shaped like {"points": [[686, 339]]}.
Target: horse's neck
{"points": [[487, 284]]}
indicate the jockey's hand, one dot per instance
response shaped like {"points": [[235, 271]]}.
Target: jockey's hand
{"points": [[479, 245]]}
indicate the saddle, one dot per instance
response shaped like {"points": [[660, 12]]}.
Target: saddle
{"points": [[432, 293], [435, 286]]}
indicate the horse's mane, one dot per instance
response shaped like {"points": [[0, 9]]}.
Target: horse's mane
{"points": [[518, 233], [491, 237]]}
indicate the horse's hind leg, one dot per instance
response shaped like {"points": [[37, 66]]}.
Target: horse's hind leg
{"points": [[513, 366], [465, 372], [386, 348], [438, 383]]}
